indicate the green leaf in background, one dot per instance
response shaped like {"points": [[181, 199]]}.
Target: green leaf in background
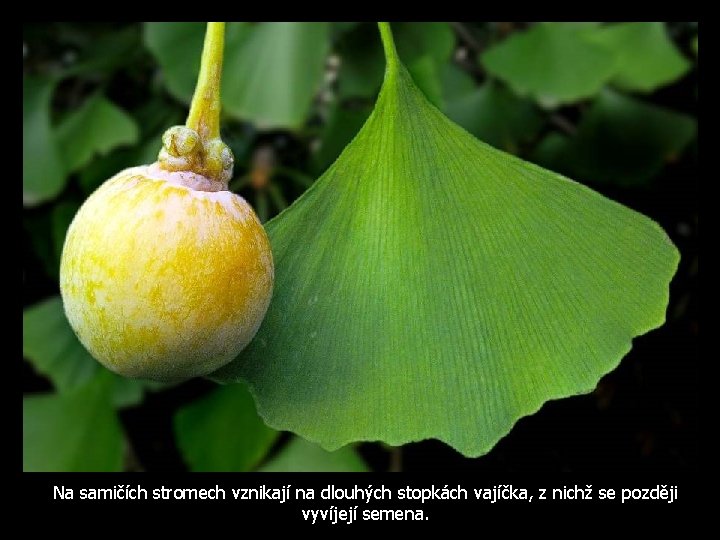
{"points": [[425, 73], [108, 53], [156, 114], [300, 455], [496, 116], [73, 432], [415, 40], [154, 117], [430, 286], [103, 168], [339, 28], [342, 125], [555, 63], [96, 127], [221, 432], [647, 58], [548, 150], [43, 170], [456, 82], [177, 47], [623, 140], [53, 349], [272, 78], [50, 344], [271, 71], [361, 69]]}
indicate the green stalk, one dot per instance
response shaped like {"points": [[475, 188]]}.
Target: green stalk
{"points": [[204, 117], [197, 147], [391, 55]]}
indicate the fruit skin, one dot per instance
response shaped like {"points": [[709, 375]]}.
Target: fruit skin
{"points": [[164, 281]]}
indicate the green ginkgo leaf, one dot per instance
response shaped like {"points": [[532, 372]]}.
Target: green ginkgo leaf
{"points": [[271, 71], [456, 83], [647, 58], [43, 170], [550, 149], [272, 77], [177, 46], [342, 125], [431, 286], [96, 127], [553, 62], [496, 115], [107, 53], [52, 347], [74, 432], [222, 432], [620, 140]]}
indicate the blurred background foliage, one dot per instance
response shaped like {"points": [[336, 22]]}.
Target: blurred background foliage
{"points": [[610, 105]]}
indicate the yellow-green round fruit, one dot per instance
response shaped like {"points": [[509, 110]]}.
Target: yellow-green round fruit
{"points": [[165, 275]]}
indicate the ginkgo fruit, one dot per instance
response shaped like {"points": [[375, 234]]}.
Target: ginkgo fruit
{"points": [[165, 274]]}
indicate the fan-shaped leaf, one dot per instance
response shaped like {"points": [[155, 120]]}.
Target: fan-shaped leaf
{"points": [[430, 286], [95, 128], [553, 62], [647, 59]]}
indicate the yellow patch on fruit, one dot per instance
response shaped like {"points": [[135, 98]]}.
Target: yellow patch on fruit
{"points": [[165, 275]]}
